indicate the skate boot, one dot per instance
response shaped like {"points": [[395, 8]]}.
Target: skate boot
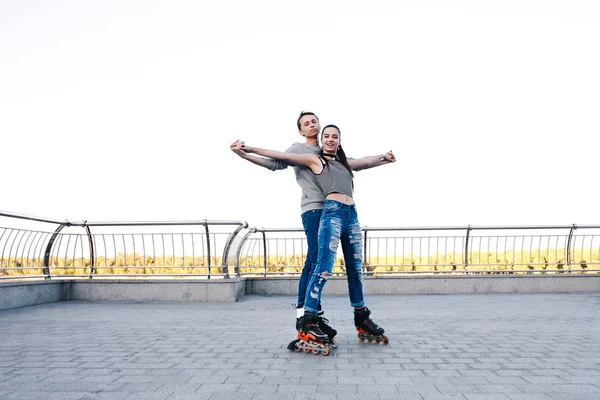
{"points": [[311, 338], [328, 330], [367, 329]]}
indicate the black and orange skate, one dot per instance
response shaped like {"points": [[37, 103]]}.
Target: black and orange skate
{"points": [[311, 338], [367, 329]]}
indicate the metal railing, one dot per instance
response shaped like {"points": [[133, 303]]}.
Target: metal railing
{"points": [[115, 249], [436, 250], [34, 247]]}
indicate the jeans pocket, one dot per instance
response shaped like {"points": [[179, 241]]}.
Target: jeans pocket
{"points": [[331, 206]]}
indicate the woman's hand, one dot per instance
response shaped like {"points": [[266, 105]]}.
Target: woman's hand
{"points": [[238, 148], [389, 157]]}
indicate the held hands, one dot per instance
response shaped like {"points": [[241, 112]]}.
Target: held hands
{"points": [[236, 147], [240, 148]]}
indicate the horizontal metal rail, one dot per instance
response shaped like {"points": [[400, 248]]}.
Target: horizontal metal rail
{"points": [[29, 218], [221, 249]]}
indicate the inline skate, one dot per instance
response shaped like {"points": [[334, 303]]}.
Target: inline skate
{"points": [[367, 329], [310, 337]]}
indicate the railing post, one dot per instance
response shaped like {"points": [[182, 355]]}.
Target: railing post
{"points": [[265, 253], [364, 264], [239, 251], [92, 252], [232, 236], [466, 260], [49, 249], [207, 248], [569, 246]]}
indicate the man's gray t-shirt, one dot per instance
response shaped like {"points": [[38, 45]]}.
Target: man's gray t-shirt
{"points": [[312, 196]]}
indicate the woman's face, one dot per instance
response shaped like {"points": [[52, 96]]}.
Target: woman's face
{"points": [[330, 140]]}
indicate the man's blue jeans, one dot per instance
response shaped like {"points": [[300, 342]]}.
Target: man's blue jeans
{"points": [[310, 220], [339, 222]]}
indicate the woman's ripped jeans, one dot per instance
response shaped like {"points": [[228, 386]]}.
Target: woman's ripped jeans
{"points": [[339, 223]]}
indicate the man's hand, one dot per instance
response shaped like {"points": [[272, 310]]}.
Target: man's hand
{"points": [[238, 148]]}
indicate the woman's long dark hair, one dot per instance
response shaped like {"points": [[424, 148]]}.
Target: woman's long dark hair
{"points": [[340, 152]]}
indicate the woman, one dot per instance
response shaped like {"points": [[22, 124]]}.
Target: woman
{"points": [[339, 221]]}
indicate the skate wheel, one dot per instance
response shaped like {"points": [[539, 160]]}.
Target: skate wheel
{"points": [[306, 350], [369, 340], [377, 341], [362, 339], [326, 351], [315, 351], [298, 349], [334, 344], [385, 339]]}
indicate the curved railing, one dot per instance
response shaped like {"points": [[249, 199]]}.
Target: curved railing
{"points": [[34, 247], [18, 258], [114, 249]]}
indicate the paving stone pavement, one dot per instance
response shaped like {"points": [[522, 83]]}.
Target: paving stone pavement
{"points": [[442, 347]]}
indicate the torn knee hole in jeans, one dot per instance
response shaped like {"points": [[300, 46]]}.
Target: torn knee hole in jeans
{"points": [[333, 243], [323, 277]]}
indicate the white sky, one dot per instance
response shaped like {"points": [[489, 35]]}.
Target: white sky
{"points": [[124, 110]]}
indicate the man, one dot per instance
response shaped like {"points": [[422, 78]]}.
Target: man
{"points": [[311, 202]]}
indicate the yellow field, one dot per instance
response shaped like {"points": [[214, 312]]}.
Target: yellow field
{"points": [[538, 261]]}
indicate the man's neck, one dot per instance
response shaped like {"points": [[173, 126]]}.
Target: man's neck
{"points": [[313, 141]]}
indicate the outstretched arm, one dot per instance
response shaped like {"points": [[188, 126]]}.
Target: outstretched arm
{"points": [[372, 161], [306, 160], [268, 163]]}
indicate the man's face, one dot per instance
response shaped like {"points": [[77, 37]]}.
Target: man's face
{"points": [[309, 126]]}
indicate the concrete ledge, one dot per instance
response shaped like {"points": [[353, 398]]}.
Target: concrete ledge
{"points": [[221, 290], [29, 293], [437, 285], [23, 294]]}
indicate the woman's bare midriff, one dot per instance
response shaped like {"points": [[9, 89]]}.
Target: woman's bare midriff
{"points": [[342, 198]]}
